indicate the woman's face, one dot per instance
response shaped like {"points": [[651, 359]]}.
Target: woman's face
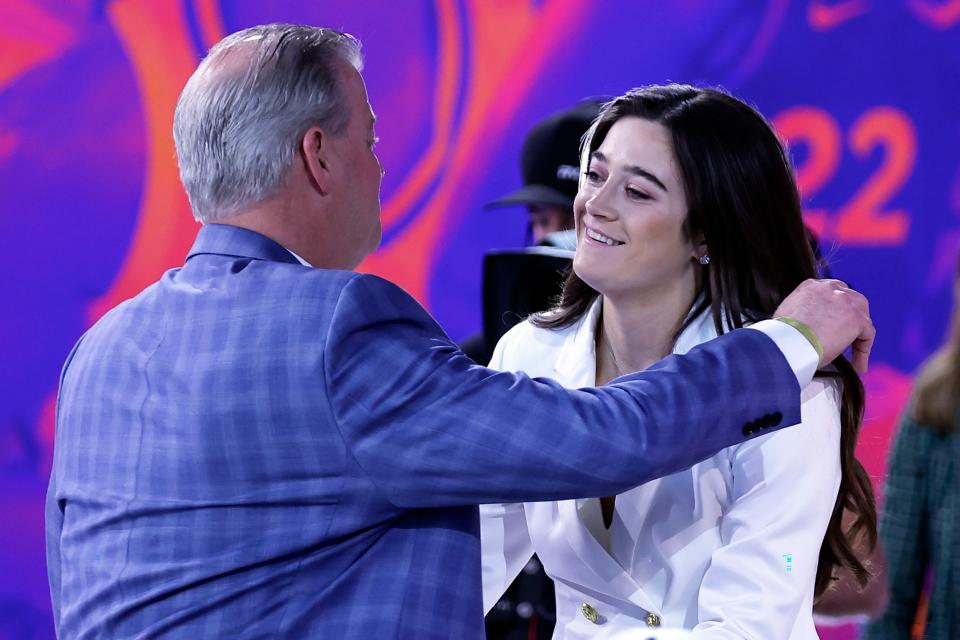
{"points": [[630, 212]]}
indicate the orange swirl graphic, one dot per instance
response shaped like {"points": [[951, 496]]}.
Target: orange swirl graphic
{"points": [[155, 38], [511, 44]]}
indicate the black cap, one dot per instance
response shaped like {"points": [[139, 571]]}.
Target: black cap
{"points": [[550, 160]]}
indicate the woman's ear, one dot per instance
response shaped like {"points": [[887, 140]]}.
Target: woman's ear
{"points": [[315, 153], [700, 248]]}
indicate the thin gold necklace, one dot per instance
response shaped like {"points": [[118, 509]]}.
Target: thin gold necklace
{"points": [[605, 341]]}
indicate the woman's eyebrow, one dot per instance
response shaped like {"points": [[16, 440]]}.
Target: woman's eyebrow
{"points": [[635, 170]]}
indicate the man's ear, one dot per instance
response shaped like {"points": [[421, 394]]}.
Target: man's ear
{"points": [[316, 154]]}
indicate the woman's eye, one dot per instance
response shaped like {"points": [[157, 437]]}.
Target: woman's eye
{"points": [[591, 175], [636, 194]]}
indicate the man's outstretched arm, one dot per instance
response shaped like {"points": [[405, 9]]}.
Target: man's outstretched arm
{"points": [[433, 429]]}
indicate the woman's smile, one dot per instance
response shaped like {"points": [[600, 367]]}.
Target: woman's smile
{"points": [[594, 237]]}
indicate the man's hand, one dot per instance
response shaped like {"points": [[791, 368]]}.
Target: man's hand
{"points": [[837, 315]]}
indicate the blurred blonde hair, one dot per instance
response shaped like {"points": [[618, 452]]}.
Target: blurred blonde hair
{"points": [[937, 391]]}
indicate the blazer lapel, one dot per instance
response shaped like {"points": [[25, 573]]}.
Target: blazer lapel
{"points": [[604, 574], [598, 572]]}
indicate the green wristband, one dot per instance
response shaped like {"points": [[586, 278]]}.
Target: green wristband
{"points": [[807, 333]]}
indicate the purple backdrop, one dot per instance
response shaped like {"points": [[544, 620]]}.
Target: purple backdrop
{"points": [[865, 91]]}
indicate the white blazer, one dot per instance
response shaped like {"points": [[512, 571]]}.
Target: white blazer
{"points": [[726, 549]]}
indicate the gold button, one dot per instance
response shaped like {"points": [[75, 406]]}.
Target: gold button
{"points": [[590, 613], [653, 620]]}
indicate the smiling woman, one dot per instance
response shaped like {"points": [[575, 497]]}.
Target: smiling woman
{"points": [[688, 225], [632, 199]]}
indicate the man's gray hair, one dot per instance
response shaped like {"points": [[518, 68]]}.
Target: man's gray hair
{"points": [[243, 112]]}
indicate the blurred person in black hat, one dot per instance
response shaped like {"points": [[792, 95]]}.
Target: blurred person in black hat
{"points": [[549, 165]]}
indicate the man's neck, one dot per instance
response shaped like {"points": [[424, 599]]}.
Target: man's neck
{"points": [[279, 220]]}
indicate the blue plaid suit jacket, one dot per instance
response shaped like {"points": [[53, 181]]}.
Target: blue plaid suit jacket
{"points": [[254, 448]]}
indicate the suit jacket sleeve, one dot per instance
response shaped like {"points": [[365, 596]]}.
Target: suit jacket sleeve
{"points": [[433, 429], [784, 490]]}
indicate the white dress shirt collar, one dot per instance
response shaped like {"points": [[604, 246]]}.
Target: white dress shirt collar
{"points": [[299, 259]]}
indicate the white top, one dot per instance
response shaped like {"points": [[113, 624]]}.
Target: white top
{"points": [[727, 549]]}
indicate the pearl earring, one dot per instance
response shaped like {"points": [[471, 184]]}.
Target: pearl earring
{"points": [[704, 259]]}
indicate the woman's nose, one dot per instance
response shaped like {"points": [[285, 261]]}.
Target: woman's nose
{"points": [[598, 205]]}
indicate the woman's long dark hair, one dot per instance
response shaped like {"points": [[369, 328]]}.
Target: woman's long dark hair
{"points": [[743, 199]]}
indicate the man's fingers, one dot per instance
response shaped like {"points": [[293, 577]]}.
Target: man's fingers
{"points": [[863, 343], [860, 358], [837, 315], [860, 354]]}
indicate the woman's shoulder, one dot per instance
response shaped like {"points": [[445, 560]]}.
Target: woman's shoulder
{"points": [[530, 331], [528, 342], [817, 434], [823, 389]]}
